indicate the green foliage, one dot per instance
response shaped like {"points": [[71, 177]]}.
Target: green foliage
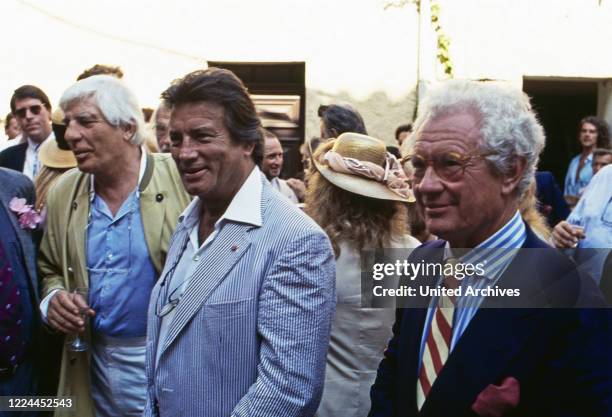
{"points": [[443, 40]]}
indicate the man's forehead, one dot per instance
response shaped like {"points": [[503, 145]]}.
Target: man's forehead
{"points": [[459, 127], [192, 115], [272, 143]]}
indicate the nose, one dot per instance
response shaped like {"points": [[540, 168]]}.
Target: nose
{"points": [[186, 150], [429, 184], [71, 134]]}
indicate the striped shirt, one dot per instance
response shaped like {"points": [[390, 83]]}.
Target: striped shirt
{"points": [[495, 253]]}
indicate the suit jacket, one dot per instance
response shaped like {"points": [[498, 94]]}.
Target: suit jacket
{"points": [[14, 157], [561, 357], [250, 334], [62, 257], [552, 204], [17, 185], [13, 184]]}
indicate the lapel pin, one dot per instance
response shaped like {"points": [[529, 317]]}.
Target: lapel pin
{"points": [[234, 248]]}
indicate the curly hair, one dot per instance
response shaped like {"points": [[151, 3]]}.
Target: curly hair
{"points": [[603, 132], [367, 222], [100, 69]]}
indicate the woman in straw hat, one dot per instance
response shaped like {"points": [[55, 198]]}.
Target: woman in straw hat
{"points": [[55, 157], [357, 193]]}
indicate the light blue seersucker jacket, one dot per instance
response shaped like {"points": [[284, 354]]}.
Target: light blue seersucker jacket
{"points": [[250, 335]]}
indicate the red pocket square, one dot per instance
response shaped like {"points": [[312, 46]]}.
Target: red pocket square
{"points": [[496, 400]]}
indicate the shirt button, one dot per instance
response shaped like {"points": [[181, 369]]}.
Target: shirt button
{"points": [[110, 256], [196, 258]]}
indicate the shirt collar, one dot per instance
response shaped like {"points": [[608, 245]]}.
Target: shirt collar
{"points": [[141, 171], [497, 250], [245, 207], [36, 146]]}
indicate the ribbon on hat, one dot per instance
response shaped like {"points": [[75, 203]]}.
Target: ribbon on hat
{"points": [[392, 175]]}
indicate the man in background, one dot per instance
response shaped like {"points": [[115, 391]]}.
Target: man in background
{"points": [[32, 109], [161, 118], [402, 132], [601, 158], [272, 166]]}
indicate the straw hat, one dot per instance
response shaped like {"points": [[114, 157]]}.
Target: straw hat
{"points": [[56, 153], [361, 164]]}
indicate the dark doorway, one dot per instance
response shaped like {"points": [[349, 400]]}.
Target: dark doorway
{"points": [[279, 92], [560, 105]]}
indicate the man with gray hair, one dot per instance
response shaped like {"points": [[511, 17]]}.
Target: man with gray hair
{"points": [[464, 350], [108, 230]]}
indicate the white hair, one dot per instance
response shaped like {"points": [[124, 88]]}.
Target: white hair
{"points": [[115, 101], [508, 127]]}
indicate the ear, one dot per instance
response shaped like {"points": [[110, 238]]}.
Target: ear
{"points": [[511, 180], [248, 147], [128, 130]]}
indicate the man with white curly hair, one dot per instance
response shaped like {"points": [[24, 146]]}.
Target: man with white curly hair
{"points": [[108, 230], [468, 349]]}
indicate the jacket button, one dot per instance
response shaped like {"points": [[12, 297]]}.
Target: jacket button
{"points": [[159, 197], [74, 205]]}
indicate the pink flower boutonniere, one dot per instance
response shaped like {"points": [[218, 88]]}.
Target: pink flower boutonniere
{"points": [[29, 218]]}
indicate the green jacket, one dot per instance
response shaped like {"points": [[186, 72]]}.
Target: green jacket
{"points": [[62, 258]]}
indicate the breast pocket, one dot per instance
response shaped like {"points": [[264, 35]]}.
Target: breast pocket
{"points": [[606, 216]]}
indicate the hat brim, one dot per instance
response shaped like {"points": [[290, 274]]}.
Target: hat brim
{"points": [[52, 156], [359, 185]]}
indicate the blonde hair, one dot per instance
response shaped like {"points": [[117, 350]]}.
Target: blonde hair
{"points": [[528, 207], [44, 181]]}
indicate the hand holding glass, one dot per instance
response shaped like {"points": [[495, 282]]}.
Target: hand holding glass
{"points": [[80, 299]]}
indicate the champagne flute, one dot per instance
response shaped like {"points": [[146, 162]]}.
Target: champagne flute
{"points": [[78, 344]]}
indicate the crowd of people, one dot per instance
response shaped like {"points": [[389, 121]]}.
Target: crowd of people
{"points": [[167, 269]]}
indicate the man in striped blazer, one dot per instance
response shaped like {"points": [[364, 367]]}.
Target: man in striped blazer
{"points": [[239, 321], [475, 152]]}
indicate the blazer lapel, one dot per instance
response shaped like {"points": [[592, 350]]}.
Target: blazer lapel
{"points": [[153, 325], [77, 233], [227, 248], [153, 213]]}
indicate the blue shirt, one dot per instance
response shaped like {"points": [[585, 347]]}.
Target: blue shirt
{"points": [[573, 187], [121, 273], [594, 213], [495, 254]]}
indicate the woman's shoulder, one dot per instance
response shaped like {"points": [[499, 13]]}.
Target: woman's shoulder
{"points": [[405, 241]]}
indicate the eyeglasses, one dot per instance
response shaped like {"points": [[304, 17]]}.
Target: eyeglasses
{"points": [[167, 301], [35, 109], [449, 166]]}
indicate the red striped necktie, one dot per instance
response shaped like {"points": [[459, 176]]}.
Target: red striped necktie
{"points": [[438, 343]]}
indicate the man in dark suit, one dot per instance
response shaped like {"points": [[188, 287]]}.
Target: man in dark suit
{"points": [[475, 152], [32, 109], [18, 291], [550, 198]]}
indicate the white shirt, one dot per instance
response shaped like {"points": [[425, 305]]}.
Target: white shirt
{"points": [[282, 187], [243, 208], [32, 165]]}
